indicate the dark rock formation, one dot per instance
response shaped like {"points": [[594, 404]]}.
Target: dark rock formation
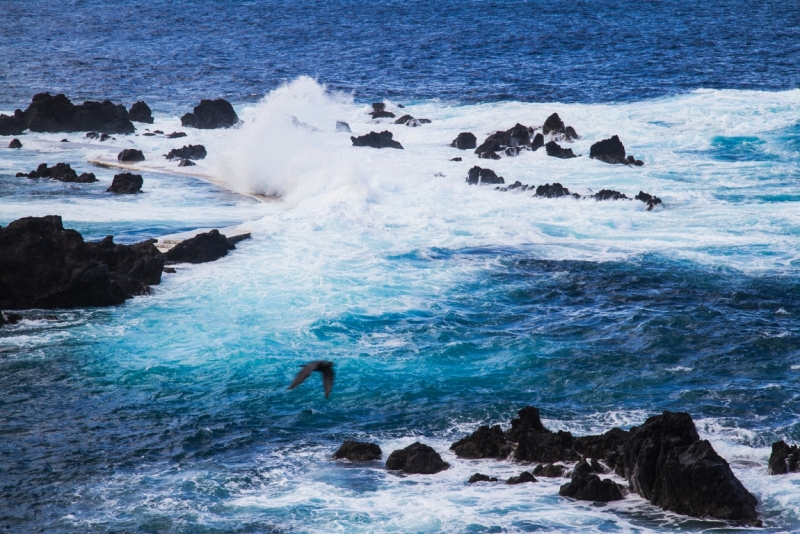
{"points": [[555, 150], [651, 200], [379, 111], [186, 163], [342, 126], [45, 266], [525, 476], [159, 132], [455, 159], [65, 140], [587, 486], [86, 178], [479, 477], [358, 451], [609, 194], [188, 152], [465, 141], [417, 458], [94, 135], [483, 443], [489, 154], [61, 172], [202, 248], [13, 318], [408, 120], [176, 135], [14, 124], [210, 115], [376, 140], [555, 126], [140, 112], [130, 154], [48, 113], [556, 190], [607, 447], [126, 184], [15, 143], [535, 443], [477, 175], [784, 458], [666, 462], [612, 151], [550, 470], [519, 137]]}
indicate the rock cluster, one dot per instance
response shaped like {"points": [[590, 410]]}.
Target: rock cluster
{"points": [[784, 458], [376, 140], [417, 458], [483, 443], [188, 152], [47, 113], [210, 115], [510, 142], [94, 135], [480, 477], [585, 485], [62, 172], [554, 190]]}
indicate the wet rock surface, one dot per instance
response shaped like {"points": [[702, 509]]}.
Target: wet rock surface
{"points": [[555, 150], [130, 155], [379, 111], [522, 478], [15, 143], [202, 248], [554, 126], [585, 485], [140, 112], [510, 142], [480, 477], [358, 451], [651, 200], [211, 115], [784, 458], [483, 443], [612, 151], [478, 175], [555, 190], [126, 183], [188, 152], [417, 458], [465, 141], [47, 113], [550, 471], [376, 140], [408, 120]]}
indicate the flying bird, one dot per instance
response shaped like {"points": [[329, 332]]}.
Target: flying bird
{"points": [[321, 366]]}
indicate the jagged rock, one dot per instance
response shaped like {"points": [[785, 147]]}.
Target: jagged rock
{"points": [[523, 477], [188, 152], [202, 248], [587, 486], [477, 175], [609, 194], [784, 459], [483, 443], [176, 135], [130, 154], [535, 443], [550, 470], [519, 137], [342, 126], [570, 132], [417, 458], [376, 140], [148, 134], [61, 172], [607, 447], [489, 154], [126, 184], [518, 185], [13, 124], [479, 477], [48, 113], [555, 150], [408, 120], [612, 151], [556, 190], [465, 141], [45, 266], [15, 143], [86, 178], [104, 136], [528, 419], [651, 200], [140, 112], [210, 115], [186, 163], [358, 451], [555, 126], [379, 111]]}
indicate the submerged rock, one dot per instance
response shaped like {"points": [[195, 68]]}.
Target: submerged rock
{"points": [[342, 126], [202, 248], [376, 140], [140, 112], [188, 152], [47, 113], [784, 458], [556, 190], [126, 183], [186, 163], [550, 470], [522, 478], [480, 477], [379, 111], [130, 154], [15, 143], [465, 141], [210, 115], [483, 443], [555, 150], [408, 120], [417, 458], [517, 138], [651, 200], [358, 451], [86, 178], [609, 194], [585, 485], [176, 135], [455, 159]]}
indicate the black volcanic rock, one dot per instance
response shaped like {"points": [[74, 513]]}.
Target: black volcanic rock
{"points": [[140, 112], [535, 443], [15, 143], [608, 150], [609, 194], [587, 486], [379, 111], [607, 447], [176, 135], [550, 470], [45, 266], [417, 458], [376, 140], [62, 172], [202, 248], [48, 113], [555, 150], [480, 477], [483, 443], [188, 152], [130, 154], [358, 451], [784, 458], [465, 141], [525, 476], [186, 163], [13, 124], [126, 183], [86, 178], [519, 137], [651, 200], [478, 175], [210, 115], [408, 120], [555, 190], [553, 125]]}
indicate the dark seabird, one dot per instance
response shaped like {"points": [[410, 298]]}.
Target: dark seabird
{"points": [[322, 366]]}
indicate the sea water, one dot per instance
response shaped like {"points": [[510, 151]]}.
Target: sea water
{"points": [[444, 306]]}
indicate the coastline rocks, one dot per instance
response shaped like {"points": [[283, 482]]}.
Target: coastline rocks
{"points": [[553, 125], [417, 458], [376, 140], [480, 477], [202, 248], [478, 175], [13, 318], [61, 172], [358, 451], [95, 135], [587, 486], [13, 124], [408, 120], [176, 135], [550, 470], [609, 194], [535, 443], [188, 152], [784, 458], [555, 150], [48, 113], [606, 446], [210, 115], [483, 443], [379, 111], [140, 112], [556, 190], [15, 143], [130, 154], [126, 183], [612, 151], [342, 126], [45, 266], [522, 478], [511, 142], [651, 200], [465, 141]]}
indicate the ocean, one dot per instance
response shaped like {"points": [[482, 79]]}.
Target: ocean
{"points": [[444, 306]]}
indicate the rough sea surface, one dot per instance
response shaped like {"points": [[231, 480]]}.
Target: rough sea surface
{"points": [[444, 306]]}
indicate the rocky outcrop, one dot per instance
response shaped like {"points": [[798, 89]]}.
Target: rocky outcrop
{"points": [[612, 151], [417, 458], [176, 135], [510, 142], [585, 485], [554, 190], [210, 115], [555, 126], [784, 459], [408, 120], [188, 152], [535, 443], [609, 194], [342, 126], [47, 113], [376, 140], [186, 163], [140, 112], [480, 477], [607, 447], [15, 143], [555, 150], [483, 443], [465, 141], [478, 175], [126, 183], [550, 470], [62, 172], [379, 111], [202, 248], [358, 451], [94, 135], [651, 200], [44, 265], [522, 478], [13, 318], [130, 154]]}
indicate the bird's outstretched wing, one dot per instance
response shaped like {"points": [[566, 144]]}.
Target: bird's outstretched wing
{"points": [[327, 380], [304, 373]]}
